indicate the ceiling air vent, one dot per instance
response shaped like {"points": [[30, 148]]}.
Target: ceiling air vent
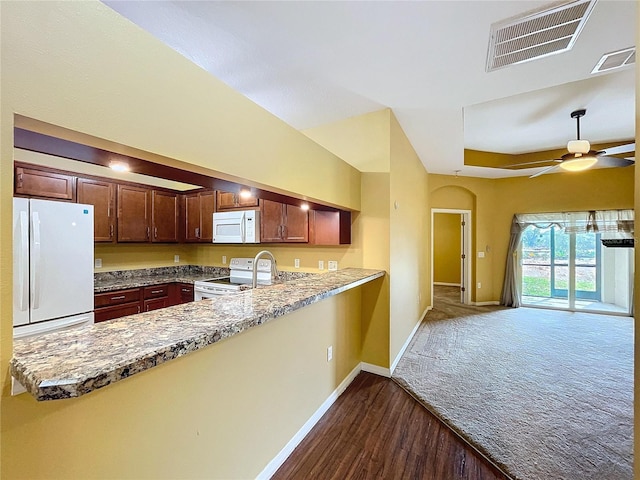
{"points": [[536, 34], [618, 59]]}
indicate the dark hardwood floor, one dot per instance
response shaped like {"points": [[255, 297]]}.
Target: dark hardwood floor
{"points": [[376, 430]]}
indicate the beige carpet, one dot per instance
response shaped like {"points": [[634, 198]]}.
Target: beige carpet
{"points": [[543, 394]]}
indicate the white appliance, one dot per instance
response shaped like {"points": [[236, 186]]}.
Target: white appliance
{"points": [[240, 274], [240, 226], [52, 266]]}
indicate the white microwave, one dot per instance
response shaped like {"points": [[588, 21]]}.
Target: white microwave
{"points": [[240, 226]]}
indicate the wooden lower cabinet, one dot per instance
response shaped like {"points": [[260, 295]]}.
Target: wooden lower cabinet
{"points": [[121, 303], [116, 304]]}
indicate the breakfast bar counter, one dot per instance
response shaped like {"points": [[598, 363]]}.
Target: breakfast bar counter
{"points": [[71, 363]]}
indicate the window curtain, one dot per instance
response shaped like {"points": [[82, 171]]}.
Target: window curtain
{"points": [[619, 223], [510, 288]]}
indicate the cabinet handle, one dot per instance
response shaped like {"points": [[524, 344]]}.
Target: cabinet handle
{"points": [[111, 231], [119, 297], [186, 290], [156, 291], [155, 232], [197, 232], [148, 230], [20, 180], [147, 309]]}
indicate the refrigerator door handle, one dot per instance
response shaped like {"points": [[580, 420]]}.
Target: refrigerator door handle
{"points": [[35, 261], [24, 262]]}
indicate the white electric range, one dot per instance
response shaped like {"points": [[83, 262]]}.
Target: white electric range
{"points": [[240, 277]]}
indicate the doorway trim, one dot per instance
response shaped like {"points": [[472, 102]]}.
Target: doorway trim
{"points": [[465, 241]]}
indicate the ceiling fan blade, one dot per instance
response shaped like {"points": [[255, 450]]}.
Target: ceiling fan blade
{"points": [[611, 162], [546, 170], [532, 164], [630, 147]]}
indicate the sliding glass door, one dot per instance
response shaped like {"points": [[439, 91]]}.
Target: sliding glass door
{"points": [[574, 271]]}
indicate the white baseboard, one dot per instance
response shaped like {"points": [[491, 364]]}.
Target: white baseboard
{"points": [[280, 458], [482, 304], [445, 284], [406, 344], [375, 369]]}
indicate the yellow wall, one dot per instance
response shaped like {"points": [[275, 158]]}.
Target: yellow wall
{"points": [[636, 286], [81, 66], [446, 248], [410, 269], [363, 141], [494, 201], [220, 413]]}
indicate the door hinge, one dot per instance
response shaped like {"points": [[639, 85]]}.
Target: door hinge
{"points": [[463, 223], [463, 256], [462, 289]]}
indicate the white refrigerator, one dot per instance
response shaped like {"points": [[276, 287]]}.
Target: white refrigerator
{"points": [[52, 266]]}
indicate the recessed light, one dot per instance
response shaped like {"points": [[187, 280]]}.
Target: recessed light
{"points": [[245, 193], [119, 166], [304, 206]]}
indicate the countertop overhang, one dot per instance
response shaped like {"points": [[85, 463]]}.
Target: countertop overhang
{"points": [[71, 363]]}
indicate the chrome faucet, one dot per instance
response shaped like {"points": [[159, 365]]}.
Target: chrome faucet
{"points": [[274, 267]]}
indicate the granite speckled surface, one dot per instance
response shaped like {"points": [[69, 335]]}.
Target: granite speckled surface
{"points": [[146, 277], [71, 363]]}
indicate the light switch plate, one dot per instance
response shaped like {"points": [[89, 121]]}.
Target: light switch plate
{"points": [[176, 258], [296, 263], [224, 259], [320, 264], [333, 265], [97, 263]]}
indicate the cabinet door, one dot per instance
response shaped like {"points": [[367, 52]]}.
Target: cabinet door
{"points": [[271, 221], [40, 183], [156, 304], [226, 200], [164, 216], [102, 195], [192, 228], [296, 224], [247, 201], [133, 213], [207, 207], [116, 311]]}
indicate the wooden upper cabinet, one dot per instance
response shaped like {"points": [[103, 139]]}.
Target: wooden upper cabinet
{"points": [[329, 228], [164, 216], [134, 205], [296, 224], [102, 195], [280, 222], [198, 216], [228, 200], [46, 184]]}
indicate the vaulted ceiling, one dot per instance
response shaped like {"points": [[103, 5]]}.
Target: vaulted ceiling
{"points": [[313, 63]]}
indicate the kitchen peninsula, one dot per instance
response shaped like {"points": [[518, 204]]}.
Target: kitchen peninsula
{"points": [[72, 363]]}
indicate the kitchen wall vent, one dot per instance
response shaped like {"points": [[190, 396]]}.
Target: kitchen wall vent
{"points": [[538, 33], [618, 59]]}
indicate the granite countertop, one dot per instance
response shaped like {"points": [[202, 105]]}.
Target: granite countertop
{"points": [[74, 362], [146, 277]]}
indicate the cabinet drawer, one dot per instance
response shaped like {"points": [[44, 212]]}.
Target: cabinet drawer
{"points": [[156, 303], [156, 291], [117, 297], [116, 311]]}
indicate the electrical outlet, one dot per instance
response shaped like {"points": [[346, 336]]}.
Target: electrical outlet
{"points": [[329, 353], [296, 263], [479, 285], [97, 263], [224, 259], [480, 254], [333, 265], [320, 264], [176, 258]]}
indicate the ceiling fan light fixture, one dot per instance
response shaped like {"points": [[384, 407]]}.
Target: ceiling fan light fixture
{"points": [[579, 146], [579, 163]]}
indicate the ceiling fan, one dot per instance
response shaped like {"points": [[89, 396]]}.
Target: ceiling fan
{"points": [[581, 157]]}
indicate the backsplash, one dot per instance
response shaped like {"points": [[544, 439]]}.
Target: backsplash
{"points": [[181, 270]]}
